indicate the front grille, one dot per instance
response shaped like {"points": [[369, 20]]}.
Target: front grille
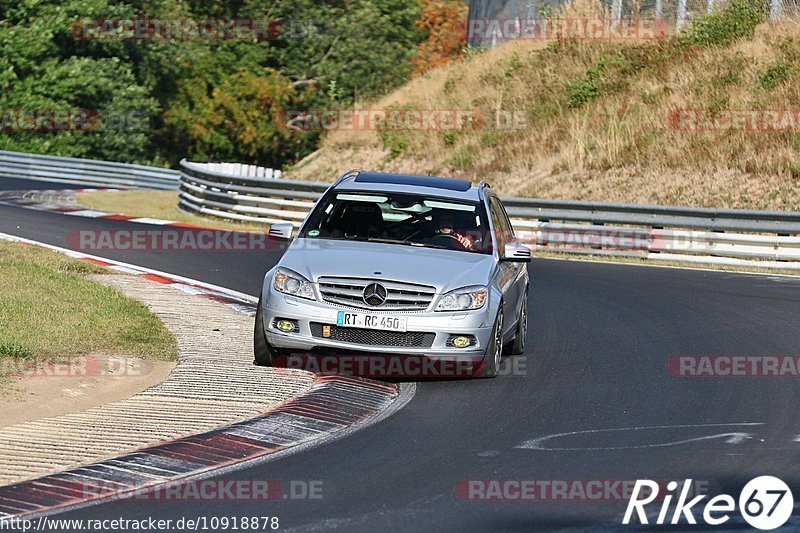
{"points": [[373, 337], [400, 296]]}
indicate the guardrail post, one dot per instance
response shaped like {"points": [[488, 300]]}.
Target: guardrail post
{"points": [[775, 9], [681, 18], [616, 12]]}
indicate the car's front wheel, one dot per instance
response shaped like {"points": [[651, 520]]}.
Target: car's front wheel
{"points": [[264, 355], [494, 352]]}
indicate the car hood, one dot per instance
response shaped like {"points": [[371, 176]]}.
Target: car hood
{"points": [[443, 269]]}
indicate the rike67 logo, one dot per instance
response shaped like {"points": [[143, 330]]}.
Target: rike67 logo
{"points": [[765, 503]]}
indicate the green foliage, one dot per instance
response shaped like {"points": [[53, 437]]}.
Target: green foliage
{"points": [[203, 99], [590, 87], [394, 141], [491, 139], [614, 71], [514, 65], [774, 75], [14, 349], [393, 130], [462, 158], [739, 19], [44, 70]]}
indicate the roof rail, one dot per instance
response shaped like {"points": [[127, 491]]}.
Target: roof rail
{"points": [[347, 174]]}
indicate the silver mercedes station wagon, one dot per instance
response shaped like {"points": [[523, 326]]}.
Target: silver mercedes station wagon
{"points": [[398, 265]]}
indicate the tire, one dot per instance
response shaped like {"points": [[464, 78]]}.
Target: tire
{"points": [[494, 351], [518, 346], [264, 354]]}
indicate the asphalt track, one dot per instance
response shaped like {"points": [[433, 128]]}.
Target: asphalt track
{"points": [[599, 341]]}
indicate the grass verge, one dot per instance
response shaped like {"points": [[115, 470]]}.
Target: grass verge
{"points": [[50, 309], [156, 204]]}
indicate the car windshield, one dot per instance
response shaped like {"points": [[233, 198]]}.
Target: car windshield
{"points": [[401, 219]]}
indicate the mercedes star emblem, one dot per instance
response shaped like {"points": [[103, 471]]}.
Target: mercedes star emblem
{"points": [[374, 294]]}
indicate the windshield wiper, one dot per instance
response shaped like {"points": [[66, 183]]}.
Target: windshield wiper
{"points": [[404, 242], [394, 241]]}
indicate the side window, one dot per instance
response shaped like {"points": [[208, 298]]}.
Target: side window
{"points": [[511, 234], [500, 223]]}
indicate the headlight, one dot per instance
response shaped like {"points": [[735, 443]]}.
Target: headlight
{"points": [[289, 282], [463, 299]]}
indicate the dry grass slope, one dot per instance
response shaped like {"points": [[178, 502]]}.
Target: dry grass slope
{"points": [[598, 121]]}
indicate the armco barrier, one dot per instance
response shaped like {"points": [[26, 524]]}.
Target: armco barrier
{"points": [[769, 239], [245, 194], [86, 171]]}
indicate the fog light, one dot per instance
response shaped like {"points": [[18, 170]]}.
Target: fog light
{"points": [[461, 342], [286, 326]]}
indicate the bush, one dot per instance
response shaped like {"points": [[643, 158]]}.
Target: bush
{"points": [[774, 75], [737, 20]]}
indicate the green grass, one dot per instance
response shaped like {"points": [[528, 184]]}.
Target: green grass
{"points": [[51, 309], [156, 204]]}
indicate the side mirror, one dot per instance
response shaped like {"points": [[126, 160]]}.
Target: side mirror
{"points": [[516, 252], [281, 231]]}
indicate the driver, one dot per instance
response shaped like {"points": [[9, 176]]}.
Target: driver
{"points": [[446, 222]]}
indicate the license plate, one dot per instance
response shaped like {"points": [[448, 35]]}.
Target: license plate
{"points": [[365, 321]]}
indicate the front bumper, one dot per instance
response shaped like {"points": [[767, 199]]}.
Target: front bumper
{"points": [[277, 305]]}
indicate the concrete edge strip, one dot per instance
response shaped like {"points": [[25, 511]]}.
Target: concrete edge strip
{"points": [[332, 408], [325, 412]]}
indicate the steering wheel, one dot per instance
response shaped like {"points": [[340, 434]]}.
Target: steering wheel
{"points": [[417, 220], [448, 240]]}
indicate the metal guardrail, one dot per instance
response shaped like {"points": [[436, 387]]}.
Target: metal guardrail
{"points": [[85, 171], [205, 188], [769, 239]]}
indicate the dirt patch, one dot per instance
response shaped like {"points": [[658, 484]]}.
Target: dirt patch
{"points": [[73, 387]]}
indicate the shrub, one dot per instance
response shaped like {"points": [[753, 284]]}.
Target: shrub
{"points": [[737, 20]]}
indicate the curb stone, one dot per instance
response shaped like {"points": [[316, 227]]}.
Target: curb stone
{"points": [[332, 405]]}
